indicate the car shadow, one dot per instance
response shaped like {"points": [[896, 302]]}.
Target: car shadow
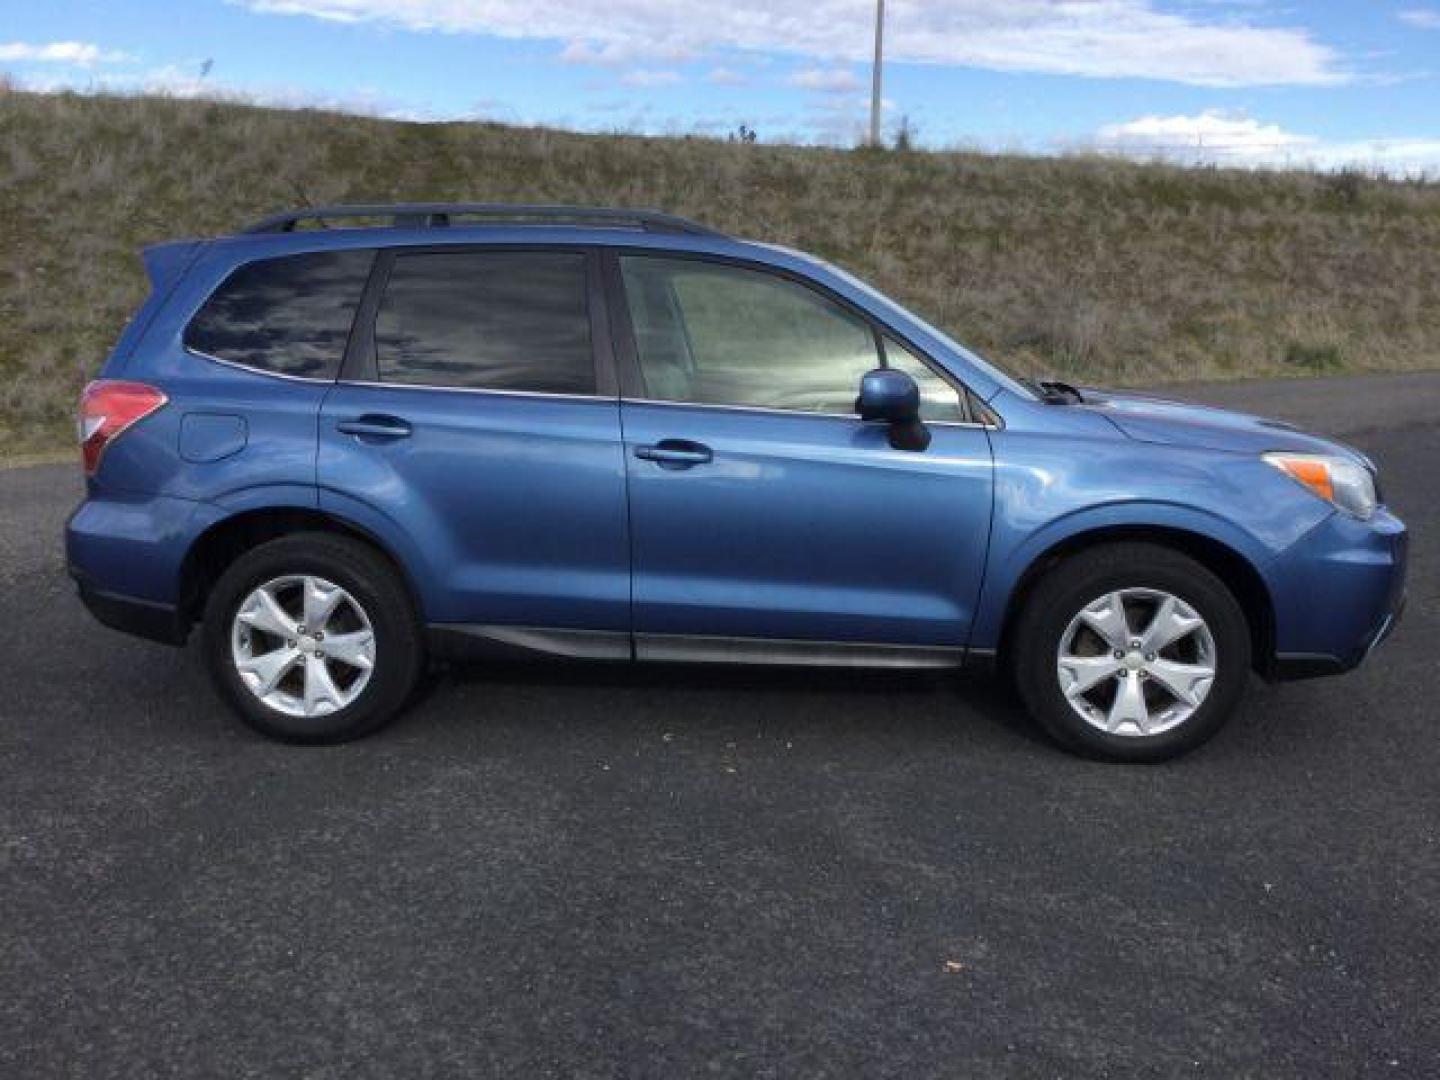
{"points": [[940, 699]]}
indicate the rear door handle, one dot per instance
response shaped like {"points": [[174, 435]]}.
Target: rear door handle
{"points": [[375, 427], [675, 453]]}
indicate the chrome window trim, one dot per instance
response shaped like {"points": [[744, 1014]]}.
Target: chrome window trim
{"points": [[236, 365], [478, 390], [767, 411], [757, 409]]}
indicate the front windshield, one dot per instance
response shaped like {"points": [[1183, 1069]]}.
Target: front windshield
{"points": [[999, 374]]}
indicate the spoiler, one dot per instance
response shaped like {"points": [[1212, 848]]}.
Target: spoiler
{"points": [[164, 263]]}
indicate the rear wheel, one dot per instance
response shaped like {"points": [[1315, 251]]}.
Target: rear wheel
{"points": [[1131, 652], [313, 638]]}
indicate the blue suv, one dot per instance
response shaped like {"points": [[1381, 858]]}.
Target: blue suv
{"points": [[617, 435]]}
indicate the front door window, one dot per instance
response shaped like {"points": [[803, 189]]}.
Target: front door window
{"points": [[715, 334]]}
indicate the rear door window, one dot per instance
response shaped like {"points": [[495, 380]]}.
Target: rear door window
{"points": [[487, 320], [289, 315]]}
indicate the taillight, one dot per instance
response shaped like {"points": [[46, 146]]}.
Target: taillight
{"points": [[107, 408]]}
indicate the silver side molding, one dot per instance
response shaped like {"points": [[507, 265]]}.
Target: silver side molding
{"points": [[572, 644], [687, 648], [699, 648]]}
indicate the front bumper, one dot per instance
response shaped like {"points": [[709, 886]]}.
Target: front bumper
{"points": [[1338, 594], [1291, 666]]}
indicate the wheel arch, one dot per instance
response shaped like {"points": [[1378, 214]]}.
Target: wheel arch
{"points": [[1235, 570], [230, 537]]}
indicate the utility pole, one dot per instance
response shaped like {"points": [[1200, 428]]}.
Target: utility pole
{"points": [[875, 74]]}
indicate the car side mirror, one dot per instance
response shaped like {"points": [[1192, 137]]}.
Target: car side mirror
{"points": [[891, 397]]}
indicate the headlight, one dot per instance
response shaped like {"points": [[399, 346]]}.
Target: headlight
{"points": [[1338, 480]]}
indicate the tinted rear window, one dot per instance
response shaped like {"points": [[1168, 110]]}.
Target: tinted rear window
{"points": [[290, 315], [492, 320]]}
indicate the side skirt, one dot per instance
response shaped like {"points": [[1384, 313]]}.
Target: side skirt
{"points": [[473, 641], [468, 640], [694, 649]]}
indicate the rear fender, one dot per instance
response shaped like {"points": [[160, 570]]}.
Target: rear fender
{"points": [[420, 568]]}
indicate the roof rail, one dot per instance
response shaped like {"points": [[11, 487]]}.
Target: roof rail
{"points": [[439, 215]]}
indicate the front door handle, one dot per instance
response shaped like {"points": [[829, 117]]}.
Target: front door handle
{"points": [[375, 427], [675, 453]]}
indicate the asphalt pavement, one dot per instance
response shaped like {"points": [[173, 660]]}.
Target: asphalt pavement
{"points": [[673, 872]]}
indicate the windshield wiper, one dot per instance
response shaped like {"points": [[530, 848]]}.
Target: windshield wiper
{"points": [[1064, 389], [1055, 390]]}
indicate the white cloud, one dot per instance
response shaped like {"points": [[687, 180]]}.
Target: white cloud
{"points": [[186, 81], [1216, 137], [829, 80], [1410, 156], [723, 76], [77, 53], [644, 77], [1213, 132], [1424, 18], [1097, 38], [615, 53]]}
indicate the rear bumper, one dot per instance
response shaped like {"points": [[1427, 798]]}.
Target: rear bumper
{"points": [[143, 618], [125, 553]]}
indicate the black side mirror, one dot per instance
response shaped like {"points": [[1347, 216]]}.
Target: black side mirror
{"points": [[891, 397]]}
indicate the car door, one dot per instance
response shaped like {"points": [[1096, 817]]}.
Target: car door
{"points": [[767, 520], [476, 429]]}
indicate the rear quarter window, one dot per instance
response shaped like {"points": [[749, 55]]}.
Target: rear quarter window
{"points": [[289, 315]]}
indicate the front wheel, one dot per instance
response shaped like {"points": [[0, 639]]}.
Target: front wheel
{"points": [[1131, 652], [312, 638]]}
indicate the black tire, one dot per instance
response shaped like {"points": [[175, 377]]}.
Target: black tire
{"points": [[370, 580], [1077, 581]]}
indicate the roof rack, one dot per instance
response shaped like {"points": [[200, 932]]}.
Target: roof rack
{"points": [[440, 215]]}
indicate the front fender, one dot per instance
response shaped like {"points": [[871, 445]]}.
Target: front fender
{"points": [[1050, 493], [1008, 567]]}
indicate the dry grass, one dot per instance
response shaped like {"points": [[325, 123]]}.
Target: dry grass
{"points": [[1089, 268]]}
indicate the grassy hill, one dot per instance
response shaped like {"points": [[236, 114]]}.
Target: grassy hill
{"points": [[1094, 269]]}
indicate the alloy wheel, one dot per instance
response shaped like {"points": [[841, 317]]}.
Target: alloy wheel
{"points": [[1136, 662], [303, 645]]}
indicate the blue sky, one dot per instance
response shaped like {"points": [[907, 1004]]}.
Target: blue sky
{"points": [[1243, 81]]}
